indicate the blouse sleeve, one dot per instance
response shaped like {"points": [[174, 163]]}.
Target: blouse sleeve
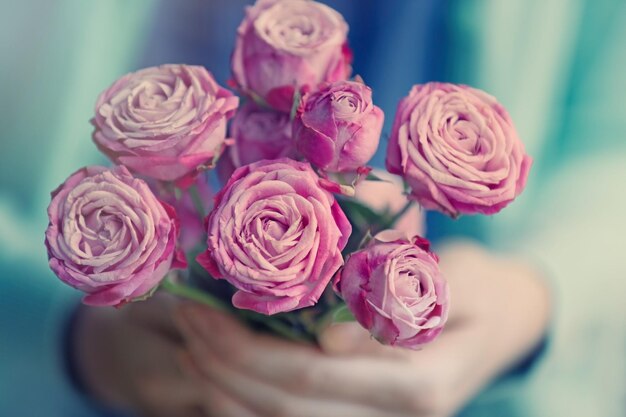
{"points": [[34, 312]]}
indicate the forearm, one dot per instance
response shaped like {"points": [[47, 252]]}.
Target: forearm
{"points": [[507, 301], [33, 317], [521, 303]]}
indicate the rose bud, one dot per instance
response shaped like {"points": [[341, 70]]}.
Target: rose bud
{"points": [[337, 128], [258, 134], [457, 149], [284, 45], [395, 290], [163, 122], [276, 236], [192, 233], [110, 237]]}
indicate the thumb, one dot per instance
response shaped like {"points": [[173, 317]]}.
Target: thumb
{"points": [[341, 339]]}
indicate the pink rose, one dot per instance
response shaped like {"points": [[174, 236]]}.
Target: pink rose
{"points": [[275, 235], [109, 236], [258, 134], [192, 233], [283, 45], [457, 148], [163, 122], [395, 290], [337, 128]]}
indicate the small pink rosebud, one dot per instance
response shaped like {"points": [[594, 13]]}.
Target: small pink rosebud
{"points": [[337, 128], [258, 134]]}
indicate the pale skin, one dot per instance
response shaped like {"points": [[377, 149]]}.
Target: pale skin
{"points": [[167, 358]]}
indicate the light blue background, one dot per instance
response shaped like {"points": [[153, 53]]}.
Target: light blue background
{"points": [[557, 65]]}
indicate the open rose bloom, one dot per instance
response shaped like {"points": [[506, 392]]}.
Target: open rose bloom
{"points": [[286, 45], [109, 236], [299, 204], [276, 235], [457, 149], [163, 122]]}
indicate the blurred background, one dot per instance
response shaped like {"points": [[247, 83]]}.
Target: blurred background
{"points": [[556, 65]]}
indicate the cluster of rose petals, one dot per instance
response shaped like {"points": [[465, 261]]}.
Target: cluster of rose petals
{"points": [[458, 150], [109, 236], [337, 128], [192, 233], [276, 235], [258, 133], [163, 122], [284, 46], [395, 289]]}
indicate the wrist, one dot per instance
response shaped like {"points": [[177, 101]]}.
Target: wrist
{"points": [[507, 303], [521, 314]]}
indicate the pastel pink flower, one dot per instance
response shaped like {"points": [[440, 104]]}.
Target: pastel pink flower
{"points": [[192, 233], [288, 45], [395, 290], [337, 127], [458, 150], [276, 235], [109, 236], [163, 122], [258, 133]]}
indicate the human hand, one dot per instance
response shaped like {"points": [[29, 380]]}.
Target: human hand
{"points": [[128, 359], [492, 325]]}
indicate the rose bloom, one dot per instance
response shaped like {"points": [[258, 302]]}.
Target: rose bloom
{"points": [[258, 133], [337, 127], [109, 236], [458, 150], [163, 122], [192, 233], [395, 290], [276, 236], [287, 44]]}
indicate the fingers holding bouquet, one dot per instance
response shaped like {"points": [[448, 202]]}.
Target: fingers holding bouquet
{"points": [[350, 372], [271, 376]]}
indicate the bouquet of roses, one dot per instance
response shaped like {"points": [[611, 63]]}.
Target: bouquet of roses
{"points": [[297, 236]]}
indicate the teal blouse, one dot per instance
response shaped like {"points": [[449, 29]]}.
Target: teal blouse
{"points": [[557, 66]]}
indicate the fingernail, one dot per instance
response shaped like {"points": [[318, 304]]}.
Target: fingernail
{"points": [[184, 318], [186, 364], [204, 319]]}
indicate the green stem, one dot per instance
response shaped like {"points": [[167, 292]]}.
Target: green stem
{"points": [[194, 194], [296, 102], [194, 294], [277, 326], [203, 297], [338, 314]]}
